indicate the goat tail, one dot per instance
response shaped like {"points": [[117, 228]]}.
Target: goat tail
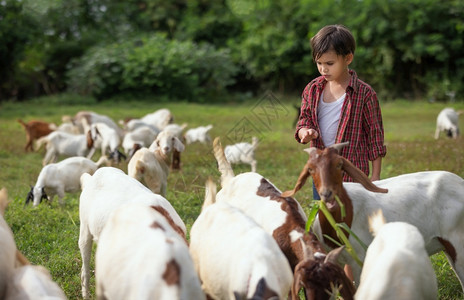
{"points": [[254, 142], [223, 165], [210, 193], [376, 220], [22, 123]]}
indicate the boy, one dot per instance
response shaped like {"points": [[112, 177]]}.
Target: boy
{"points": [[338, 107]]}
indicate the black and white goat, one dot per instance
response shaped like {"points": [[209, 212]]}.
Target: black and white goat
{"points": [[62, 177]]}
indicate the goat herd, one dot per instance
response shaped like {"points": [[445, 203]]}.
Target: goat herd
{"points": [[250, 239]]}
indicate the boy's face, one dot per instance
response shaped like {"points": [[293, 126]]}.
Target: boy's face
{"points": [[332, 66]]}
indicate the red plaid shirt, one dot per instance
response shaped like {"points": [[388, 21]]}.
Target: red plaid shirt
{"points": [[360, 121]]}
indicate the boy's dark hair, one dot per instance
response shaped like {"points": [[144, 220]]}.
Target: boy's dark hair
{"points": [[333, 37]]}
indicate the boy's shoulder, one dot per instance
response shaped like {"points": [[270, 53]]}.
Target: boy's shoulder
{"points": [[360, 85], [318, 81]]}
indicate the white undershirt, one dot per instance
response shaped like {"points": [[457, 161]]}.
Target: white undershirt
{"points": [[328, 115]]}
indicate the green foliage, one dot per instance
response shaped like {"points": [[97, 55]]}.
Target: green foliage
{"points": [[153, 65], [408, 49]]}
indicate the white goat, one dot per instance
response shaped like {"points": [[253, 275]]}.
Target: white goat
{"points": [[86, 118], [107, 139], [234, 257], [33, 282], [66, 144], [62, 177], [396, 264], [199, 134], [159, 118], [151, 166], [102, 193], [152, 261], [285, 220], [432, 201], [242, 153], [7, 246], [138, 138], [448, 121]]}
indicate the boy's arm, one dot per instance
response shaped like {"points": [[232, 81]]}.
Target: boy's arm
{"points": [[376, 168]]}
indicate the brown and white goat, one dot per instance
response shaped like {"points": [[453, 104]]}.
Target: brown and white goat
{"points": [[234, 256], [35, 130], [285, 220], [140, 256], [432, 201], [102, 193]]}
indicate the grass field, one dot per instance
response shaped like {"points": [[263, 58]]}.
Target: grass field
{"points": [[47, 235]]}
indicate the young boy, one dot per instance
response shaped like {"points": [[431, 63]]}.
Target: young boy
{"points": [[338, 107]]}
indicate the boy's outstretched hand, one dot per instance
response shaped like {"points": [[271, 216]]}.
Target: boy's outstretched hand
{"points": [[307, 134]]}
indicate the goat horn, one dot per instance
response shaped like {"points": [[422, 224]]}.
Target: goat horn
{"points": [[333, 255], [339, 146], [360, 177]]}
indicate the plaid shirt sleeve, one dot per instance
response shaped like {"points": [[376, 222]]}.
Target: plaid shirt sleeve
{"points": [[308, 116]]}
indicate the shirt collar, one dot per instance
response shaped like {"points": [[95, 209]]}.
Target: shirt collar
{"points": [[352, 84]]}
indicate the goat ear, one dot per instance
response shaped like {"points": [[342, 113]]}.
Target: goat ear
{"points": [[178, 145], [360, 177], [299, 183], [333, 255], [296, 283], [307, 251], [310, 151]]}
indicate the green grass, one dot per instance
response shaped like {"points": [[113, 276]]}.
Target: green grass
{"points": [[48, 234]]}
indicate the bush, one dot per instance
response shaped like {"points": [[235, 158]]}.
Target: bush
{"points": [[152, 65]]}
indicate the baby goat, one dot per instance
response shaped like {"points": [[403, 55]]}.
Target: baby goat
{"points": [[102, 193], [396, 264], [140, 256], [432, 201], [242, 153], [448, 121], [199, 134], [62, 177], [285, 220], [35, 130], [234, 257]]}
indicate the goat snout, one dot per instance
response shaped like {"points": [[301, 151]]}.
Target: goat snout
{"points": [[326, 194]]}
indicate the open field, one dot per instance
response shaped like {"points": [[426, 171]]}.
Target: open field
{"points": [[48, 235]]}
